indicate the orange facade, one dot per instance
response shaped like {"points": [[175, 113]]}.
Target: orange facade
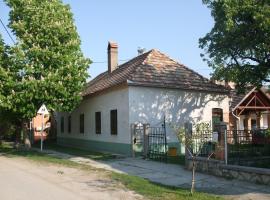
{"points": [[37, 127]]}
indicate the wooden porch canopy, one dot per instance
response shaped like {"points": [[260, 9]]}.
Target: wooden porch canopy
{"points": [[255, 101]]}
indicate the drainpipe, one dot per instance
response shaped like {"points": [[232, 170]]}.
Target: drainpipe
{"points": [[238, 118]]}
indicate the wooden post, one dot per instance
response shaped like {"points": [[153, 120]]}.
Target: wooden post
{"points": [[249, 122], [258, 120], [268, 119]]}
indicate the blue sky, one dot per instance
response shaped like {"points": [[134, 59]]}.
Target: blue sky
{"points": [[172, 26]]}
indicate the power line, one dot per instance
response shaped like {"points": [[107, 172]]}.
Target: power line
{"points": [[96, 62], [7, 31], [100, 62]]}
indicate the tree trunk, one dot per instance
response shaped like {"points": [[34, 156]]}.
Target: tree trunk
{"points": [[21, 130], [193, 175], [27, 142], [17, 135]]}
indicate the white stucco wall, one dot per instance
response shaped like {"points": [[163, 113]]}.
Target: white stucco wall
{"points": [[141, 104], [149, 105], [114, 99]]}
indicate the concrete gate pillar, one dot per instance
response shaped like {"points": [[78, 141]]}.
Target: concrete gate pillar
{"points": [[221, 151]]}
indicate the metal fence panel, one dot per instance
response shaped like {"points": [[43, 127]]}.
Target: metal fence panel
{"points": [[247, 145], [202, 143]]}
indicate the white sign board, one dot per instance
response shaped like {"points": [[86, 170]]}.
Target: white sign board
{"points": [[215, 136], [43, 110], [38, 128]]}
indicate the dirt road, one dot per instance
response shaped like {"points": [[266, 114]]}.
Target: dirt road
{"points": [[21, 179]]}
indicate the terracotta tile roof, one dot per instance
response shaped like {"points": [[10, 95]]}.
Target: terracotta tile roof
{"points": [[153, 69], [236, 98]]}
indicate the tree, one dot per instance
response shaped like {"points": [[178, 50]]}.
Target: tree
{"points": [[7, 120], [238, 46], [195, 142], [5, 79], [47, 62]]}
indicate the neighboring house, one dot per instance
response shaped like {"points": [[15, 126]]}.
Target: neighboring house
{"points": [[50, 127], [36, 127], [142, 90], [251, 110]]}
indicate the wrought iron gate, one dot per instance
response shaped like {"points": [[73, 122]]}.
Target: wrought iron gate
{"points": [[149, 142], [157, 143]]}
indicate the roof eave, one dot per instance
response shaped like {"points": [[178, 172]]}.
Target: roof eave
{"points": [[86, 96], [131, 83]]}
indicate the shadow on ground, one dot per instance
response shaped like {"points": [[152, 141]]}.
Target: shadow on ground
{"points": [[166, 176], [177, 176]]}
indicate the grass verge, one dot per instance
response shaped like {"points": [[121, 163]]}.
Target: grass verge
{"points": [[76, 152], [159, 192], [8, 151], [141, 186]]}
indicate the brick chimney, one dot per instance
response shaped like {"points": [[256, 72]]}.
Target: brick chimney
{"points": [[112, 56]]}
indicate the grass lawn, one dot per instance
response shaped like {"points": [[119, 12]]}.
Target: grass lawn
{"points": [[76, 152], [141, 186]]}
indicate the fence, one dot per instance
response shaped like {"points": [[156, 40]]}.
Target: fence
{"points": [[201, 143], [248, 146], [235, 146], [157, 143], [239, 154]]}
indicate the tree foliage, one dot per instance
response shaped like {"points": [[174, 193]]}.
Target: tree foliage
{"points": [[3, 75], [238, 46], [47, 64], [6, 81], [7, 118]]}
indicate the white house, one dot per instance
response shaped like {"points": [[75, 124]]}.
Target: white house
{"points": [[143, 89]]}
